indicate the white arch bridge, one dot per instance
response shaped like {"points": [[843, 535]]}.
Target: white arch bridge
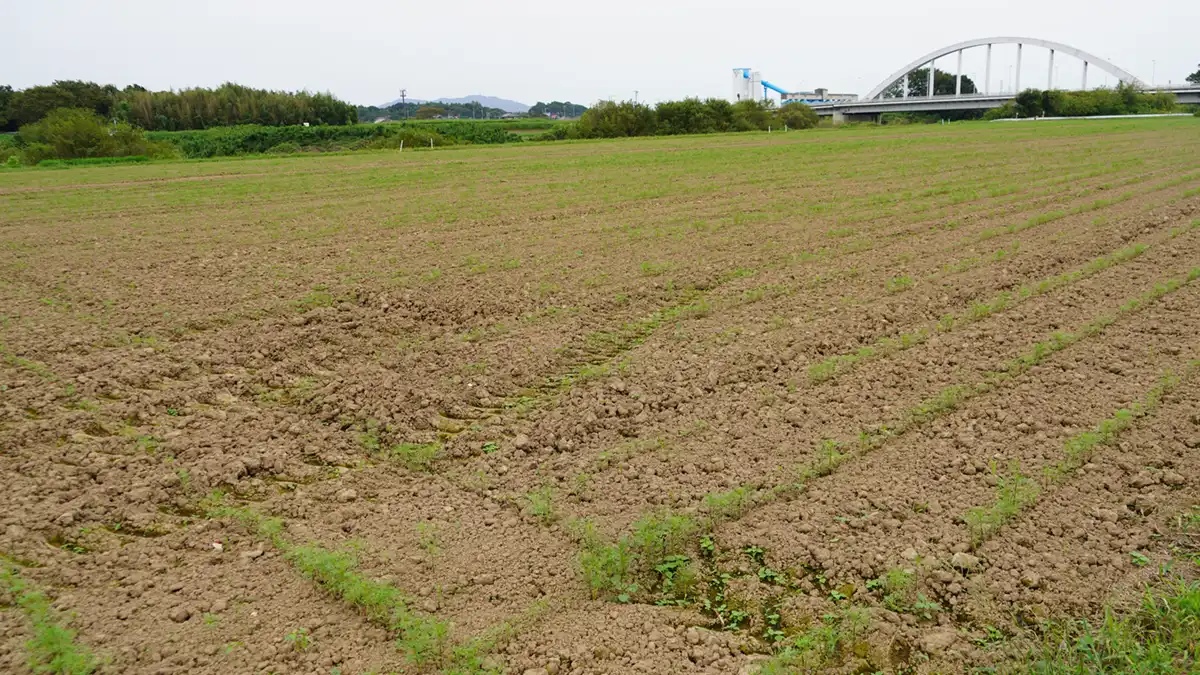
{"points": [[875, 102]]}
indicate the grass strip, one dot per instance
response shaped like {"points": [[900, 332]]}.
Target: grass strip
{"points": [[53, 648], [830, 454], [1162, 635], [653, 556], [424, 640], [1015, 492]]}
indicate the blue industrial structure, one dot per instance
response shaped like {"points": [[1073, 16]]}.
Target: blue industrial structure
{"points": [[747, 81]]}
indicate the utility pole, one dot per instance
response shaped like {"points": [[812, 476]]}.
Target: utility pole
{"points": [[404, 102], [635, 93]]}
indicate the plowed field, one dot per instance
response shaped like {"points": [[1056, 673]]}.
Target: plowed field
{"points": [[893, 399]]}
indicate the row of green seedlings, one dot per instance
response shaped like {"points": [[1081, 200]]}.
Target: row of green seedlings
{"points": [[632, 566], [831, 454], [839, 364], [604, 348], [1016, 492], [424, 641], [53, 647], [1085, 208], [1050, 191], [1049, 217], [633, 333], [601, 345], [903, 283]]}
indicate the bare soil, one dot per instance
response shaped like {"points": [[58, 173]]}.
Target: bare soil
{"points": [[593, 333]]}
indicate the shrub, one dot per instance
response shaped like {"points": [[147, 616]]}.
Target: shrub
{"points": [[285, 148], [609, 119], [689, 116], [1029, 103], [1006, 111], [75, 133], [796, 116], [751, 115]]}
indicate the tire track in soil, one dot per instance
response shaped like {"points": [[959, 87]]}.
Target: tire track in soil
{"points": [[467, 400], [1017, 325], [857, 523]]}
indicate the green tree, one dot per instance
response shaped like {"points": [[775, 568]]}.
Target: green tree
{"points": [[1194, 78], [34, 103], [1029, 103], [689, 116], [428, 112], [609, 119], [752, 115], [918, 84], [6, 95], [720, 112], [796, 116], [560, 108]]}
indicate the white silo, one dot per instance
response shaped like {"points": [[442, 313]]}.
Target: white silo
{"points": [[741, 84]]}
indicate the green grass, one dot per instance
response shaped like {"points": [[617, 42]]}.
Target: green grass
{"points": [[414, 456], [1160, 635], [423, 639], [540, 504], [900, 284], [822, 645], [1078, 449], [52, 649], [1014, 492], [730, 505], [619, 570]]}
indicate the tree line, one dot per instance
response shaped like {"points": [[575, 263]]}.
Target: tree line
{"points": [[430, 110], [196, 108], [1124, 100], [612, 119], [560, 108]]}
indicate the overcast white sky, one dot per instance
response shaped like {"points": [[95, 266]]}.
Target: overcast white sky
{"points": [[365, 50]]}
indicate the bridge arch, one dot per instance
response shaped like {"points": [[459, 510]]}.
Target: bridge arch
{"points": [[1119, 73]]}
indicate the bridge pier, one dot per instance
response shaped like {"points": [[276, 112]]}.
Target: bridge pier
{"points": [[1017, 88], [958, 76], [840, 117], [987, 77]]}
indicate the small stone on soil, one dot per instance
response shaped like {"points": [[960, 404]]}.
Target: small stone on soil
{"points": [[964, 561]]}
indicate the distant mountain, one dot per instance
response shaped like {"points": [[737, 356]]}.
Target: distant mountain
{"points": [[409, 100], [489, 102], [485, 101]]}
